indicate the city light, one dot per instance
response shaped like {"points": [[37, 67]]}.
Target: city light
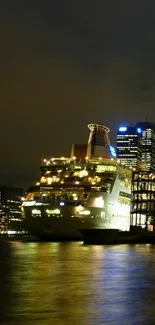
{"points": [[139, 130], [122, 128], [62, 203]]}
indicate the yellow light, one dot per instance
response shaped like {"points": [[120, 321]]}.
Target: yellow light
{"points": [[45, 160], [37, 183], [56, 211], [49, 180], [36, 211], [79, 208], [77, 182], [28, 203], [43, 179], [83, 173], [99, 202], [84, 212], [74, 158]]}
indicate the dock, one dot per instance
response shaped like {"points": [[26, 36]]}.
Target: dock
{"points": [[115, 236]]}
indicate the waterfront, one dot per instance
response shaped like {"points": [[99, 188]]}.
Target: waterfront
{"points": [[69, 283]]}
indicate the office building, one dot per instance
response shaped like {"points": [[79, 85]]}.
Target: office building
{"points": [[10, 208], [129, 145], [136, 144], [148, 144], [142, 209]]}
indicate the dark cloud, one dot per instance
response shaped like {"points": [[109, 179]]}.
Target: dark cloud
{"points": [[65, 64]]}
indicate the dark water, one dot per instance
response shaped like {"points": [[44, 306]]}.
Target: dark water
{"points": [[70, 284]]}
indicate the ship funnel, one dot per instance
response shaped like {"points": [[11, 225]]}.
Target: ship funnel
{"points": [[99, 142]]}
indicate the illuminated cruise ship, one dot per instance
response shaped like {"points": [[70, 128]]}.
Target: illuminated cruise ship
{"points": [[91, 189]]}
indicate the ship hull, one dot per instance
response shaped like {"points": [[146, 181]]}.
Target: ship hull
{"points": [[53, 230], [63, 226], [68, 225]]}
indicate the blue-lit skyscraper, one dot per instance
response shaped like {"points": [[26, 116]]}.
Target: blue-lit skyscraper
{"points": [[129, 145], [136, 144]]}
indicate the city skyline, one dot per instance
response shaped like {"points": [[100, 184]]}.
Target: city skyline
{"points": [[83, 63]]}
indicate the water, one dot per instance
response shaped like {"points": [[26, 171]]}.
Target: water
{"points": [[72, 284]]}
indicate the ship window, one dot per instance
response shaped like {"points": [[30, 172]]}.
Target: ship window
{"points": [[105, 168]]}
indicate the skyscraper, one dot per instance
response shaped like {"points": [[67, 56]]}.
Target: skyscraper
{"points": [[148, 144], [136, 144], [129, 145]]}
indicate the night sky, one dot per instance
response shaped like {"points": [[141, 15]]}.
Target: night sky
{"points": [[65, 64]]}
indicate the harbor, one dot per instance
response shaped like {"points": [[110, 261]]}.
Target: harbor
{"points": [[71, 283]]}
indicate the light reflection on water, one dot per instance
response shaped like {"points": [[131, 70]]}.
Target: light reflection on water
{"points": [[72, 284]]}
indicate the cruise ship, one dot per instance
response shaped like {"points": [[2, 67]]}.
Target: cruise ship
{"points": [[90, 189]]}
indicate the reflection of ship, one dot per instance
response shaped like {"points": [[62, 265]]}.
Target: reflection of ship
{"points": [[89, 190]]}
